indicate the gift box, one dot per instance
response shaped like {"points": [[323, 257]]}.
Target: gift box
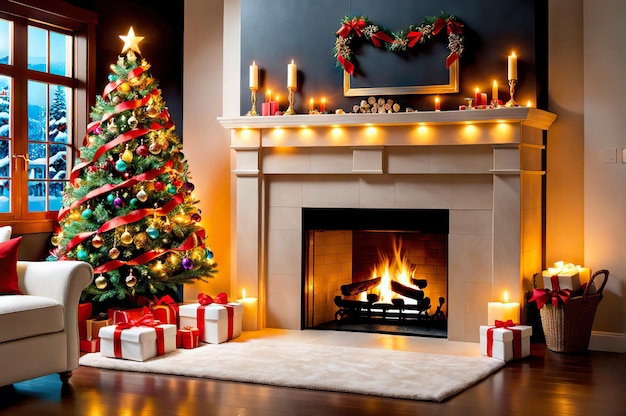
{"points": [[187, 337], [139, 342], [505, 342], [562, 278], [217, 322], [127, 315], [84, 313], [90, 345], [94, 325], [165, 310]]}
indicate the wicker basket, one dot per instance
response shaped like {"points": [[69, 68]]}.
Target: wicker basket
{"points": [[567, 328]]}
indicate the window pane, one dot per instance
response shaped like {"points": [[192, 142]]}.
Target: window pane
{"points": [[59, 124], [5, 176], [37, 110], [60, 54], [56, 196], [37, 165], [5, 42], [57, 168], [36, 196], [5, 106], [37, 49]]}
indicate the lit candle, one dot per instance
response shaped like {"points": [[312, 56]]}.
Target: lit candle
{"points": [[529, 104], [311, 105], [437, 104], [249, 321], [494, 91], [292, 72], [477, 98], [274, 106], [513, 66], [503, 311], [268, 95], [323, 105], [254, 75]]}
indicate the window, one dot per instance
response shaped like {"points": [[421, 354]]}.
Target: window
{"points": [[45, 85]]}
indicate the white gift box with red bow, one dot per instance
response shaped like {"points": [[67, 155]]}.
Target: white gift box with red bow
{"points": [[217, 322], [505, 343]]}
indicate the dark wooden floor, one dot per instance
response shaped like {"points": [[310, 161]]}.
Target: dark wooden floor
{"points": [[544, 384]]}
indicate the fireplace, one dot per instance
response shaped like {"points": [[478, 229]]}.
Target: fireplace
{"points": [[375, 270], [484, 168]]}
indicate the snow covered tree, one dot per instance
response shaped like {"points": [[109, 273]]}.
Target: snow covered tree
{"points": [[128, 208]]}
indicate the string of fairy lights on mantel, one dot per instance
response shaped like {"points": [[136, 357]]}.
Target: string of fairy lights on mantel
{"points": [[529, 116]]}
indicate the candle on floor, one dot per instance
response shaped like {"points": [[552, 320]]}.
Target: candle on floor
{"points": [[503, 311], [249, 320]]}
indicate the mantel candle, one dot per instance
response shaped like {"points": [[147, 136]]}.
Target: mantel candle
{"points": [[268, 95], [512, 66], [503, 311], [249, 321], [254, 75], [437, 104], [292, 75], [323, 105], [494, 91]]}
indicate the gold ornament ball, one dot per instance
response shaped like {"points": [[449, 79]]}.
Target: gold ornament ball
{"points": [[127, 156], [154, 148], [131, 280], [100, 282], [167, 227], [140, 240], [55, 240], [97, 241], [152, 111], [142, 195], [114, 253], [124, 87], [132, 122], [126, 238]]}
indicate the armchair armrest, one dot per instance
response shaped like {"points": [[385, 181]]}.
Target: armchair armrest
{"points": [[64, 282]]}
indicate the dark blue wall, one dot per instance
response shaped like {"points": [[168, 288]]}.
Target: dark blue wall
{"points": [[275, 31]]}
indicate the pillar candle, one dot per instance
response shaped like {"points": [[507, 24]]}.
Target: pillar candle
{"points": [[477, 98], [323, 105], [311, 105], [494, 91], [513, 66], [249, 320], [268, 95], [266, 109], [254, 75], [503, 311], [437, 104], [292, 72], [483, 98]]}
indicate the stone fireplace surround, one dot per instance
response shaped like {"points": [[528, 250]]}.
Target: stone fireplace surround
{"points": [[483, 166]]}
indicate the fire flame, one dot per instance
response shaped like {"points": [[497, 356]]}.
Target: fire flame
{"points": [[399, 269]]}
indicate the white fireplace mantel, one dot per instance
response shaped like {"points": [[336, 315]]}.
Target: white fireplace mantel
{"points": [[484, 166]]}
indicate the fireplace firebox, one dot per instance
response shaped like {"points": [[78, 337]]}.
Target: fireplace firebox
{"points": [[375, 270]]}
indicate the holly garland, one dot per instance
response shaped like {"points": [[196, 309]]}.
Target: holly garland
{"points": [[361, 28]]}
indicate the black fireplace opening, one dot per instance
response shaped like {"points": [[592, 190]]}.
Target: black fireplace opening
{"points": [[375, 270]]}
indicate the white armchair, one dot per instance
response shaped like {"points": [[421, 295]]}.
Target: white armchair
{"points": [[39, 329]]}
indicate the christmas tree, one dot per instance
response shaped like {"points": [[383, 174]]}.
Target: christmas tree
{"points": [[128, 208]]}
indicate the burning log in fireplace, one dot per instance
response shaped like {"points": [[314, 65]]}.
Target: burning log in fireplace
{"points": [[397, 311]]}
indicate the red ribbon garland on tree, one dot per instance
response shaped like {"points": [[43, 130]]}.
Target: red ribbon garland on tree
{"points": [[111, 86]]}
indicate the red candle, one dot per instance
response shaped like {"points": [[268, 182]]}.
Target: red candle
{"points": [[268, 96], [323, 105], [437, 104], [476, 97], [483, 98]]}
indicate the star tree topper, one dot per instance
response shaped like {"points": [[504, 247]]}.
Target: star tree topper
{"points": [[131, 41]]}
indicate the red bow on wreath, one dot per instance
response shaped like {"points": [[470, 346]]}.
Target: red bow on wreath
{"points": [[452, 26], [355, 24], [542, 296], [413, 36]]}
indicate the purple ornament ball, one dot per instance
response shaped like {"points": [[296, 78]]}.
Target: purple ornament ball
{"points": [[187, 263]]}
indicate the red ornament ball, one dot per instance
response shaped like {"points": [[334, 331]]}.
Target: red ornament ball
{"points": [[142, 150], [158, 186]]}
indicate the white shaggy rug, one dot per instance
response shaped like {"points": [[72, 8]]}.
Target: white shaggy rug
{"points": [[369, 371]]}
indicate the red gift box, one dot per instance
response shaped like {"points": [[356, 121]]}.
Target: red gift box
{"points": [[187, 337], [165, 310], [90, 345], [120, 316], [84, 312]]}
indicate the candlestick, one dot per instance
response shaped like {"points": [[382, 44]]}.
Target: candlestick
{"points": [[291, 100], [254, 76], [511, 102], [437, 104], [252, 111], [292, 75]]}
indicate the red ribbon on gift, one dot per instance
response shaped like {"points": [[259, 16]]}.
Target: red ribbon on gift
{"points": [[517, 337], [187, 337], [146, 320], [556, 295], [170, 307], [204, 300], [355, 24]]}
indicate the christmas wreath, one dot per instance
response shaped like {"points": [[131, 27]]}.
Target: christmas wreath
{"points": [[363, 29]]}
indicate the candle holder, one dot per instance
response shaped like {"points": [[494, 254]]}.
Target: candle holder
{"points": [[511, 102], [252, 111], [290, 111]]}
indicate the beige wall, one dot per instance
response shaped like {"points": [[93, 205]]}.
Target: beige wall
{"points": [[586, 203]]}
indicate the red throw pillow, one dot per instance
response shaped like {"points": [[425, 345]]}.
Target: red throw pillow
{"points": [[8, 267]]}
